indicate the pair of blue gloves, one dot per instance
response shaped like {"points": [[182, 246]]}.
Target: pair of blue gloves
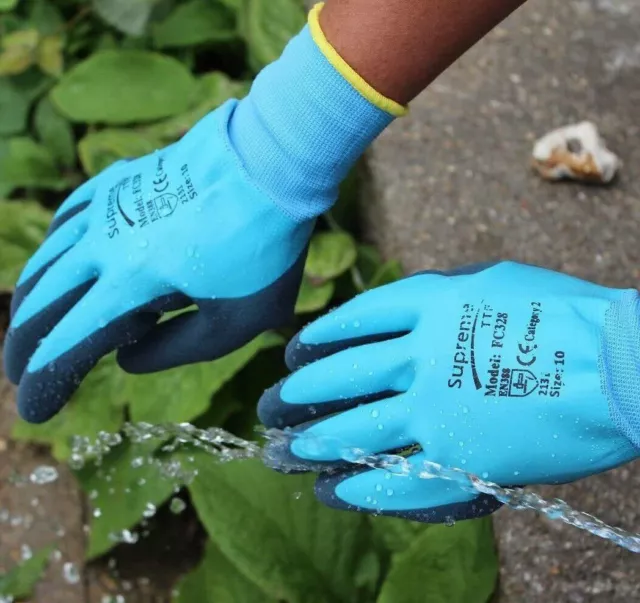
{"points": [[515, 373]]}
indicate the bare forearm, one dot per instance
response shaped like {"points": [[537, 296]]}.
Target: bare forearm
{"points": [[401, 46]]}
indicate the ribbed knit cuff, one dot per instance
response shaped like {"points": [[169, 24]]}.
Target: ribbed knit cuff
{"points": [[302, 127]]}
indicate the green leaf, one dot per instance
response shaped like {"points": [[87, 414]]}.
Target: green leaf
{"points": [[330, 255], [7, 5], [95, 407], [312, 298], [129, 16], [181, 394], [389, 272], [19, 582], [120, 490], [22, 228], [50, 58], [46, 17], [368, 262], [99, 150], [214, 89], [268, 26], [29, 164], [397, 534], [195, 22], [32, 83], [14, 108], [313, 552], [217, 580], [55, 132], [445, 565], [125, 86], [18, 51]]}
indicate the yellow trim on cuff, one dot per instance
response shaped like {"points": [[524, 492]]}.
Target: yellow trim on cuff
{"points": [[368, 91]]}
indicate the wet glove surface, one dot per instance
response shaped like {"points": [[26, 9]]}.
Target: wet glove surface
{"points": [[220, 219], [514, 373]]}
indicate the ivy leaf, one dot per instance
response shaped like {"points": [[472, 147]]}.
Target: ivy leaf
{"points": [[124, 86], [217, 580], [312, 298], [29, 164], [50, 58], [268, 26], [195, 22], [181, 394], [99, 150], [313, 552], [330, 255], [55, 132], [18, 51], [14, 108], [22, 228], [120, 491], [19, 582], [96, 406], [455, 564], [214, 89], [129, 16]]}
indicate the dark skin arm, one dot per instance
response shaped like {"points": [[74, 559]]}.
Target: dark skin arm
{"points": [[400, 46]]}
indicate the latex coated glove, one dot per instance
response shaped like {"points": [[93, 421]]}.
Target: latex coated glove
{"points": [[220, 219], [514, 373]]}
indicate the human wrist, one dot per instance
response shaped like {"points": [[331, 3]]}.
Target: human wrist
{"points": [[305, 123]]}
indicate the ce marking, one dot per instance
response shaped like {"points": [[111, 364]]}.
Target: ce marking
{"points": [[525, 358], [161, 184]]}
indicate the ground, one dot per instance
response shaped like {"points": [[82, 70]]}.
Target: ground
{"points": [[452, 184]]}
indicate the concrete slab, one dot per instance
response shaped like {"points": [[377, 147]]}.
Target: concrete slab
{"points": [[451, 184]]}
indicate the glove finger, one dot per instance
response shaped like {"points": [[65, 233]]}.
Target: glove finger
{"points": [[61, 287], [95, 326], [408, 496], [51, 249], [369, 429], [376, 315], [337, 383]]}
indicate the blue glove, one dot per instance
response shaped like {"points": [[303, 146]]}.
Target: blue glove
{"points": [[220, 219], [514, 373]]}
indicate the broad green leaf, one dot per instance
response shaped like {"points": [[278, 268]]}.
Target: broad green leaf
{"points": [[46, 17], [22, 228], [18, 51], [95, 407], [217, 580], [129, 16], [99, 150], [50, 58], [19, 582], [313, 551], [397, 534], [389, 272], [330, 254], [234, 5], [181, 394], [195, 22], [125, 86], [7, 5], [312, 298], [29, 164], [368, 262], [455, 564], [120, 490], [268, 26], [14, 108], [214, 89], [32, 83], [55, 132]]}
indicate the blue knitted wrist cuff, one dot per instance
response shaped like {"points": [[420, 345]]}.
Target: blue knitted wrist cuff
{"points": [[301, 129]]}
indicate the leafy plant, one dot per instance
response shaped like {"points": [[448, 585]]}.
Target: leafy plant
{"points": [[84, 83], [19, 582]]}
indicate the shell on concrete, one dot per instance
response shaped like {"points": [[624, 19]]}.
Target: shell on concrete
{"points": [[575, 152]]}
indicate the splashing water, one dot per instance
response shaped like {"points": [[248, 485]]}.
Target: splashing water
{"points": [[225, 447]]}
